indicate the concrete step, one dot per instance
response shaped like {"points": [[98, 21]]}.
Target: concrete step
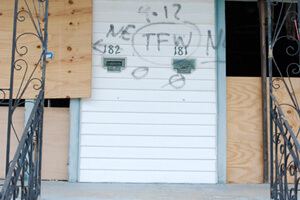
{"points": [[111, 191], [1, 185]]}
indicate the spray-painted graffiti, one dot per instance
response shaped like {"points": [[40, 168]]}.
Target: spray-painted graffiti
{"points": [[210, 42], [122, 33], [147, 11], [171, 38], [157, 34], [154, 39], [140, 72], [176, 81], [110, 49], [180, 43]]}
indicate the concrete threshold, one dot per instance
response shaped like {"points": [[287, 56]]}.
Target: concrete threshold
{"points": [[52, 190]]}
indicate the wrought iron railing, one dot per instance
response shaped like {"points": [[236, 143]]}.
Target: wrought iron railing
{"points": [[284, 185], [24, 176], [284, 69], [27, 80]]}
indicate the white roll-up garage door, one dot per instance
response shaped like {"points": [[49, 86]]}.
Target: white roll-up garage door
{"points": [[149, 122]]}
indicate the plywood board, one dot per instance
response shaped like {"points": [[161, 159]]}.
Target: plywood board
{"points": [[70, 37], [282, 95], [18, 121], [244, 125], [244, 130], [55, 141], [56, 144]]}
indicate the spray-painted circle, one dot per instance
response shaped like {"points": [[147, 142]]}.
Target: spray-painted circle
{"points": [[165, 29]]}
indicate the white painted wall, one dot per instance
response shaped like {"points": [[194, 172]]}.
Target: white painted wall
{"points": [[142, 125]]}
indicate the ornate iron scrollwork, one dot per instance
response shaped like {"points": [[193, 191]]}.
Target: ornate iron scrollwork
{"points": [[28, 65], [284, 68]]}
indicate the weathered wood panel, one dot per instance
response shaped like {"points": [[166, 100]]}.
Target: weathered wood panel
{"points": [[55, 141], [244, 130], [70, 38]]}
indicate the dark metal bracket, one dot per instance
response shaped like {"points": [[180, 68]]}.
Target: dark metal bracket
{"points": [[184, 66], [114, 64]]}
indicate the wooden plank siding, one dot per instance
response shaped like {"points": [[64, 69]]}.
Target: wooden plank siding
{"points": [[144, 129]]}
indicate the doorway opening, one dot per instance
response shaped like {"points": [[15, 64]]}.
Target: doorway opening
{"points": [[246, 152], [242, 39], [244, 93]]}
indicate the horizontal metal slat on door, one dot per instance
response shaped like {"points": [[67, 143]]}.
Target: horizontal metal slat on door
{"points": [[148, 130], [147, 153], [146, 176], [147, 141]]}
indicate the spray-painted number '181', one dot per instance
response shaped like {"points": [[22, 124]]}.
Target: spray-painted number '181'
{"points": [[181, 51]]}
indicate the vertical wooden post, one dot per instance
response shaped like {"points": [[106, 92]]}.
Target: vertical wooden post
{"points": [[262, 18]]}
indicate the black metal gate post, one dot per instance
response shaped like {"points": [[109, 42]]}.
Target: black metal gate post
{"points": [[12, 70], [270, 92], [284, 68], [23, 172]]}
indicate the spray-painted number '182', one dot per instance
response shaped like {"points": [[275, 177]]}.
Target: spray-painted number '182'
{"points": [[111, 49]]}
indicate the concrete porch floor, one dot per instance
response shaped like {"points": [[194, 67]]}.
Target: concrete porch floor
{"points": [[109, 191]]}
